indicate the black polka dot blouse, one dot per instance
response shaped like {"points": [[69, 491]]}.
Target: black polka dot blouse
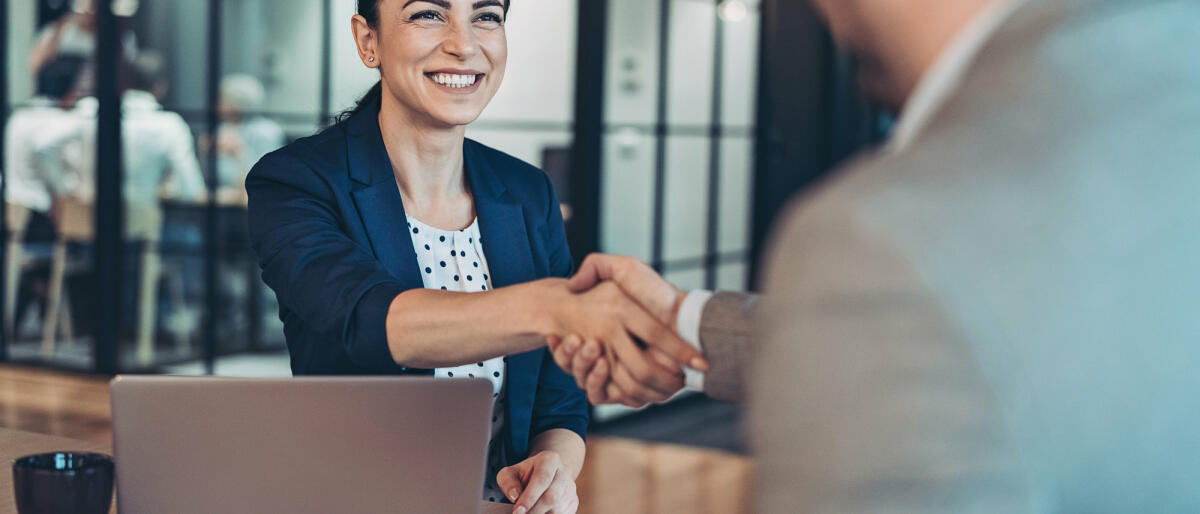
{"points": [[453, 260]]}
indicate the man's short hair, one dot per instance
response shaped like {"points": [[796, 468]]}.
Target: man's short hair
{"points": [[59, 77]]}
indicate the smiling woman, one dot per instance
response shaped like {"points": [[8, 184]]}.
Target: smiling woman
{"points": [[420, 59], [397, 246]]}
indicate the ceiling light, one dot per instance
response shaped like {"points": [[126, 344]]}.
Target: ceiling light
{"points": [[733, 11]]}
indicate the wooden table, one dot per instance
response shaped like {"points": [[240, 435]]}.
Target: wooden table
{"points": [[620, 475], [15, 444]]}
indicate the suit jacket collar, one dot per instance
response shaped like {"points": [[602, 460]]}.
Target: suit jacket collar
{"points": [[942, 79]]}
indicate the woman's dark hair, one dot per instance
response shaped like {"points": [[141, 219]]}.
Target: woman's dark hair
{"points": [[369, 9]]}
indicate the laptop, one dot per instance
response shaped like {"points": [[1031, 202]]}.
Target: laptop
{"points": [[299, 445]]}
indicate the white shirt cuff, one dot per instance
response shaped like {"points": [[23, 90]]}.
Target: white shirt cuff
{"points": [[688, 322]]}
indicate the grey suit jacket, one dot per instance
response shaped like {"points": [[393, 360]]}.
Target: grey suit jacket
{"points": [[1005, 317]]}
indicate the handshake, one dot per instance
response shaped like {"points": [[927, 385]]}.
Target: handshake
{"points": [[630, 352]]}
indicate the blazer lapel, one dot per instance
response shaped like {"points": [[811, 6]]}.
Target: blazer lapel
{"points": [[379, 203], [501, 222]]}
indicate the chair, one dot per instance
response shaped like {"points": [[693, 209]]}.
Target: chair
{"points": [[76, 224], [18, 222]]}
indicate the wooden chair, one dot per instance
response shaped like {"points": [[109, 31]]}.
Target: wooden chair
{"points": [[18, 222], [76, 224]]}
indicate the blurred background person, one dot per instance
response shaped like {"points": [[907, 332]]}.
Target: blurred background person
{"points": [[47, 118], [159, 150], [74, 35], [244, 135], [159, 165]]}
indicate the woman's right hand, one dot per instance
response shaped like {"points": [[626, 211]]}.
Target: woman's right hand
{"points": [[605, 314]]}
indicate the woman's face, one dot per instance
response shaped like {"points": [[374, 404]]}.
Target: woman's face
{"points": [[442, 60]]}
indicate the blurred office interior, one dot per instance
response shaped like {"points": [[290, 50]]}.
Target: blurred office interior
{"points": [[674, 131]]}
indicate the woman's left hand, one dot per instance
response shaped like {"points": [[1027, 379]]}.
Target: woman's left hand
{"points": [[539, 485]]}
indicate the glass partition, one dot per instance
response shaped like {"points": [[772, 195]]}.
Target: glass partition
{"points": [[207, 87], [50, 73], [680, 95]]}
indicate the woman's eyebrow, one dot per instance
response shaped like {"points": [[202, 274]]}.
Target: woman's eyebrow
{"points": [[444, 4], [488, 3]]}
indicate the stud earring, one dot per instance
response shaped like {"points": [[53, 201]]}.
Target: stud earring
{"points": [[370, 59]]}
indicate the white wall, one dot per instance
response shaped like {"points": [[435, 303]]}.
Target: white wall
{"points": [[539, 83], [278, 41], [22, 16]]}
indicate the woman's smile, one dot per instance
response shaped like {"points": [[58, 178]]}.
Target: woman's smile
{"points": [[456, 81]]}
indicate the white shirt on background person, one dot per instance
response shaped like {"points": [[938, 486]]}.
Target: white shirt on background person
{"points": [[158, 153], [29, 128]]}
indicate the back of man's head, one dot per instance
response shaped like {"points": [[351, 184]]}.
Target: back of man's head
{"points": [[896, 41], [58, 78], [147, 71]]}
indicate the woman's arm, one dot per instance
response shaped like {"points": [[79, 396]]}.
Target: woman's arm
{"points": [[46, 46], [339, 288], [568, 445], [432, 329]]}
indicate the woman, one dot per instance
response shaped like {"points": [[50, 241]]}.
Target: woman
{"points": [[396, 246]]}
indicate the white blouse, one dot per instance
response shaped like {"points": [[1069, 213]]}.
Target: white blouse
{"points": [[452, 260]]}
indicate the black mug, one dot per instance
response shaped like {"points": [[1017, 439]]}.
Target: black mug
{"points": [[63, 483]]}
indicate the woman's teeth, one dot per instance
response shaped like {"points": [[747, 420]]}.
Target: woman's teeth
{"points": [[454, 81]]}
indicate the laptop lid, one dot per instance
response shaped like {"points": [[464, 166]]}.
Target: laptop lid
{"points": [[299, 445]]}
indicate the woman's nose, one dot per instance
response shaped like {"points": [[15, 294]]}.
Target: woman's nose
{"points": [[460, 42]]}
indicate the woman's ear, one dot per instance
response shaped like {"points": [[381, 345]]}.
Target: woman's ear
{"points": [[366, 40]]}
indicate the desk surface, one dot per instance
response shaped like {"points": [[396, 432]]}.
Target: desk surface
{"points": [[15, 443], [620, 475]]}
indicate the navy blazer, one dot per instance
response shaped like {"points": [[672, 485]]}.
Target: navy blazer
{"points": [[328, 226]]}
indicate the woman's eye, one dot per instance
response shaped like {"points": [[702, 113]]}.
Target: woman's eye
{"points": [[426, 15], [490, 18]]}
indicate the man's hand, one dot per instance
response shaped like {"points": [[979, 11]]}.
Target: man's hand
{"points": [[605, 313], [659, 297], [539, 485], [617, 374], [609, 376]]}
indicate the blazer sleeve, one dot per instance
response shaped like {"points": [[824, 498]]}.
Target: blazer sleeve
{"points": [[334, 285], [726, 338], [558, 402]]}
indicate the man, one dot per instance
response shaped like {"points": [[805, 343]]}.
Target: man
{"points": [[47, 115], [996, 313], [46, 118]]}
